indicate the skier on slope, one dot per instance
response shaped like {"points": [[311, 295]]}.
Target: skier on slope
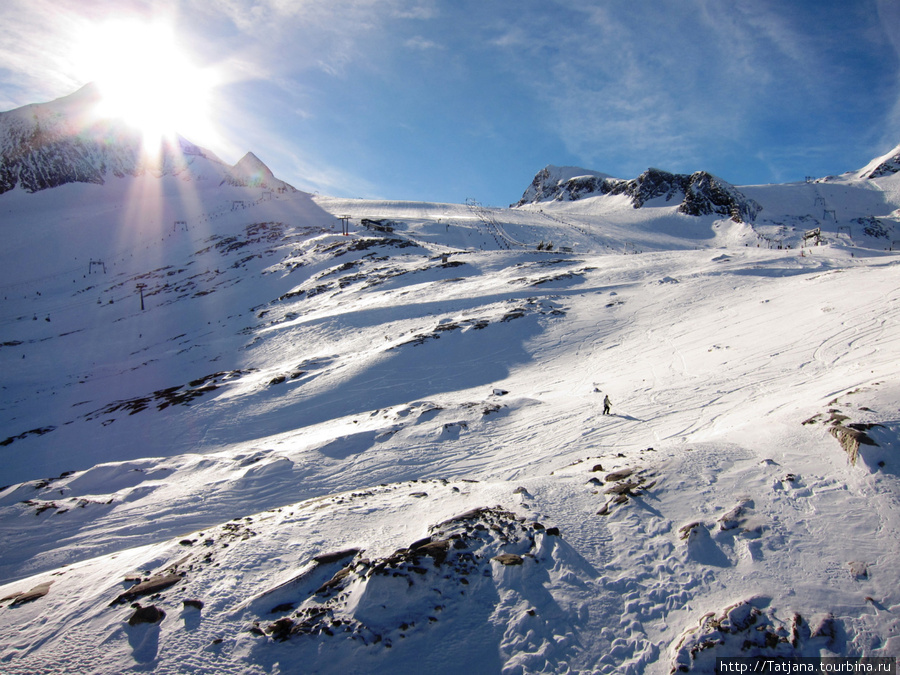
{"points": [[606, 402]]}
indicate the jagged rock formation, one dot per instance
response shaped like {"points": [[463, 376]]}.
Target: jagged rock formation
{"points": [[563, 183], [45, 145], [700, 193]]}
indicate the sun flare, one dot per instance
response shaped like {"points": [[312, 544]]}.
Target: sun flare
{"points": [[147, 80]]}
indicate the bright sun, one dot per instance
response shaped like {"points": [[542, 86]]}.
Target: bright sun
{"points": [[147, 80]]}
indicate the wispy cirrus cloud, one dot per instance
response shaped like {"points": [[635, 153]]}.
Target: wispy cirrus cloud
{"points": [[662, 81]]}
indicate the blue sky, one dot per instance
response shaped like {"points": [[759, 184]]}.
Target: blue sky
{"points": [[445, 100]]}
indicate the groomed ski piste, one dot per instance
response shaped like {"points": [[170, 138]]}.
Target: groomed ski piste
{"points": [[384, 451]]}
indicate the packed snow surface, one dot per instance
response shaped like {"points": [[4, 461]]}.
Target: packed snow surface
{"points": [[384, 451]]}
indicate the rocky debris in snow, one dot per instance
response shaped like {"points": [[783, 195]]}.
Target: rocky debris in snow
{"points": [[735, 517], [874, 227], [40, 431], [749, 628], [163, 398], [851, 435], [531, 307], [370, 270], [454, 561], [40, 506], [685, 531], [622, 484], [337, 249], [255, 233], [569, 275], [858, 570]]}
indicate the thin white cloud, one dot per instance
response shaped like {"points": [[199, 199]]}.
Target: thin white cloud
{"points": [[420, 43]]}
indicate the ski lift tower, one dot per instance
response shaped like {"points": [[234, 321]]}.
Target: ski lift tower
{"points": [[345, 224]]}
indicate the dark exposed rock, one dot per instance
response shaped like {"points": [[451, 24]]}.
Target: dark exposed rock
{"points": [[35, 593], [685, 531], [327, 558], [33, 432], [150, 614], [154, 584], [336, 582], [436, 550], [618, 475], [851, 437], [280, 630]]}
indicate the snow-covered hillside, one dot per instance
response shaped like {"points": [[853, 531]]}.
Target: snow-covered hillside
{"points": [[384, 451]]}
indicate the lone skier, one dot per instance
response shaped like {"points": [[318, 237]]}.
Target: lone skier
{"points": [[606, 404]]}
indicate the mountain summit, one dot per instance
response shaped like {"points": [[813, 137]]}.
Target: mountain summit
{"points": [[250, 171], [45, 145]]}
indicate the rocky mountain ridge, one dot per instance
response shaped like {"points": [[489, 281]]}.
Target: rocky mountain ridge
{"points": [[700, 193]]}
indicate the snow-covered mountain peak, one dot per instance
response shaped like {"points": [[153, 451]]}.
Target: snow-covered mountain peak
{"points": [[885, 165], [250, 171], [65, 141], [696, 194]]}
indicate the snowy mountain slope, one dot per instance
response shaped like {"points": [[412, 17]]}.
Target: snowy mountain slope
{"points": [[384, 451]]}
